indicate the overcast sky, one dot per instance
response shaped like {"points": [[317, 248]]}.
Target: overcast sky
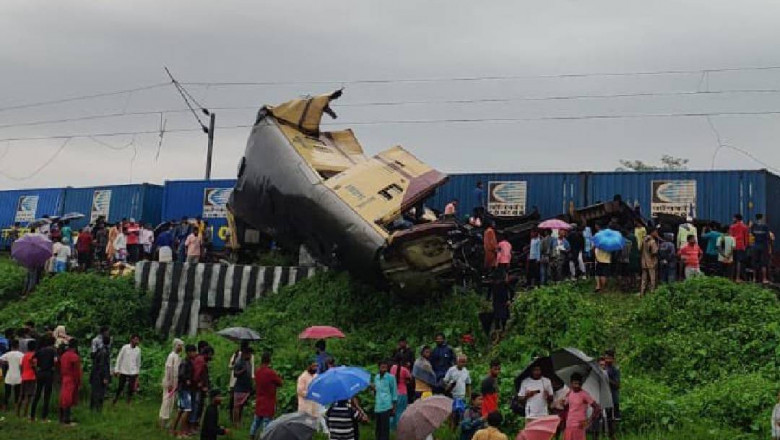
{"points": [[54, 50]]}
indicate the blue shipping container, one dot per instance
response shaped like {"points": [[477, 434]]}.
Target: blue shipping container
{"points": [[25, 205], [141, 202], [551, 193], [204, 198]]}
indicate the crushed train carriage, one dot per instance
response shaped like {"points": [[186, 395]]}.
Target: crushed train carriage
{"points": [[304, 186]]}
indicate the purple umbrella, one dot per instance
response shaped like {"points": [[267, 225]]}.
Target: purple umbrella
{"points": [[32, 250]]}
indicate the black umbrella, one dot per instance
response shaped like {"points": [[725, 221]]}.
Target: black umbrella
{"points": [[159, 228], [548, 371], [239, 334], [295, 426], [568, 361]]}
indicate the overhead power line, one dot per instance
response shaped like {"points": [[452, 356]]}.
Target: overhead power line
{"points": [[40, 168], [487, 78], [412, 102], [401, 80], [422, 122], [81, 98]]}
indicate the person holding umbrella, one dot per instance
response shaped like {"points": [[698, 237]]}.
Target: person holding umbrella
{"points": [[242, 370]]}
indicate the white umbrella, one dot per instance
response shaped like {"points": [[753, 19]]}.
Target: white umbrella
{"points": [[568, 361]]}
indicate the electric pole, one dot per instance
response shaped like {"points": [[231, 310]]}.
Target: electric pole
{"points": [[211, 145]]}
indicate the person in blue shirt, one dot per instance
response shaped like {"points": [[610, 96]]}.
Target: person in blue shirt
{"points": [[479, 199], [711, 235], [442, 357], [386, 393], [323, 358], [534, 255]]}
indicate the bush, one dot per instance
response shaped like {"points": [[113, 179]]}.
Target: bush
{"points": [[743, 401], [704, 330], [82, 303], [553, 317], [12, 278]]}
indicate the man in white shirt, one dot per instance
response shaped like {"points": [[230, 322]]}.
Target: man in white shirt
{"points": [[537, 391], [170, 382], [145, 240], [63, 255], [128, 365], [458, 380], [13, 377]]}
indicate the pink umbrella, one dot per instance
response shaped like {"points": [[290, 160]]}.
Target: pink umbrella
{"points": [[321, 332], [543, 428], [423, 417], [554, 223]]}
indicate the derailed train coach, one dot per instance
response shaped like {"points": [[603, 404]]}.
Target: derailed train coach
{"points": [[304, 186]]}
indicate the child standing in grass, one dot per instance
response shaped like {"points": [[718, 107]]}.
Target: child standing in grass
{"points": [[776, 420]]}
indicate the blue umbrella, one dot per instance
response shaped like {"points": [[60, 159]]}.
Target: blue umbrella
{"points": [[609, 240], [338, 383], [32, 250]]}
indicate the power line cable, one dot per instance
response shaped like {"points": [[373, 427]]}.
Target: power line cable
{"points": [[400, 80], [423, 122], [81, 98], [40, 168], [413, 102], [487, 78]]}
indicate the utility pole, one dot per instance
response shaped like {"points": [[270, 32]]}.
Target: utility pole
{"points": [[211, 145]]}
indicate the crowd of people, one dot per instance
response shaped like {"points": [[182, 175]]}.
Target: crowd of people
{"points": [[103, 245], [37, 365]]}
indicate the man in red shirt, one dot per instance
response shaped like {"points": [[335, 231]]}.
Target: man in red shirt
{"points": [[133, 242], [741, 235], [690, 254], [266, 383], [200, 384]]}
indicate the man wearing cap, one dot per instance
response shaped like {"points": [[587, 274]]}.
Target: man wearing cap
{"points": [[170, 382]]}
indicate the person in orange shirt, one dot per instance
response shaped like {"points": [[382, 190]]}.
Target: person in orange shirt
{"points": [[451, 209], [691, 254], [490, 244]]}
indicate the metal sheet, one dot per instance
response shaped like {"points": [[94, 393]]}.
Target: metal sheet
{"points": [[551, 193], [187, 198], [141, 202], [719, 194], [772, 199]]}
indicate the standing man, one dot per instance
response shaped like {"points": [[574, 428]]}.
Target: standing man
{"points": [[242, 370], [479, 200], [489, 389], [70, 372], [458, 383], [99, 340], [185, 387], [741, 235], [403, 352], [761, 248], [302, 388], [385, 388], [127, 368], [133, 241], [576, 251], [84, 249], [200, 383], [726, 254], [534, 254], [170, 382], [504, 258], [649, 262], [164, 246], [442, 357], [146, 240], [322, 356], [686, 230], [44, 362], [193, 244], [613, 374], [100, 374], [537, 392], [267, 381], [12, 359], [711, 235], [667, 258], [690, 254]]}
